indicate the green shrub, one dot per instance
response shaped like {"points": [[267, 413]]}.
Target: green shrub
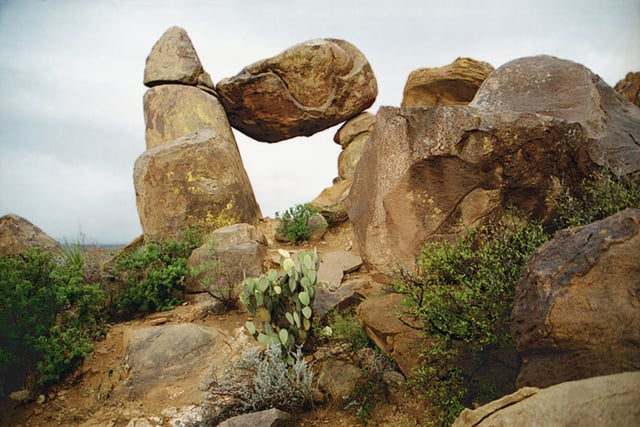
{"points": [[601, 195], [51, 315], [347, 327], [154, 274], [258, 380], [282, 303], [294, 222], [463, 294]]}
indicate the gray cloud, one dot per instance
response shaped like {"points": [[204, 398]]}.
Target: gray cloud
{"points": [[71, 123]]}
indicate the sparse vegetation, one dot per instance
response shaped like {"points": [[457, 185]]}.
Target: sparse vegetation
{"points": [[294, 222], [258, 380], [346, 326]]}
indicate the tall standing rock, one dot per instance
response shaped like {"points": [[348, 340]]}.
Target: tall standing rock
{"points": [[305, 89], [453, 84], [172, 111], [173, 59], [190, 181], [571, 92], [577, 308]]}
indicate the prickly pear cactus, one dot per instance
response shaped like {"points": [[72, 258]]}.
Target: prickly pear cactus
{"points": [[281, 303]]}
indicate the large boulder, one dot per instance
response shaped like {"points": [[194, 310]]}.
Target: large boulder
{"points": [[453, 84], [610, 400], [427, 174], [331, 202], [172, 111], [387, 323], [629, 88], [228, 256], [305, 89], [17, 235], [192, 181], [173, 59], [571, 92], [353, 136], [577, 308]]}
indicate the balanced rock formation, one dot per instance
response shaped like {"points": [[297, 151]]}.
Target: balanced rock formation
{"points": [[173, 110], [305, 89], [227, 256], [610, 400], [629, 88], [571, 92], [428, 174], [17, 235], [173, 59], [191, 181], [352, 136], [453, 84], [577, 309]]}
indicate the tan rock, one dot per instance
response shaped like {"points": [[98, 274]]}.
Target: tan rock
{"points": [[386, 322], [198, 179], [629, 88], [576, 312], [172, 111], [339, 379], [17, 235], [173, 59], [352, 128], [453, 84], [350, 156], [331, 202], [305, 89], [601, 401]]}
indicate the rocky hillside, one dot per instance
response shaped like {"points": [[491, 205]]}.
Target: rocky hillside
{"points": [[470, 146]]}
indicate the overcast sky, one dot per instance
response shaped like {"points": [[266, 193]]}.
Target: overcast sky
{"points": [[71, 121]]}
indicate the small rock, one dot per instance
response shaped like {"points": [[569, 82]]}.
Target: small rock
{"points": [[41, 399], [317, 227]]}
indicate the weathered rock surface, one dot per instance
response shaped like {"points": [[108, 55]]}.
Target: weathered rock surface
{"points": [[352, 136], [338, 379], [629, 88], [192, 180], [162, 358], [333, 265], [343, 296], [268, 418], [317, 225], [386, 322], [610, 400], [331, 202], [305, 89], [17, 235], [577, 309], [228, 256], [571, 92], [426, 174], [172, 111], [173, 59], [453, 84]]}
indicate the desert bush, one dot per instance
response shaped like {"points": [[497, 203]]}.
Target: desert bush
{"points": [[294, 222], [258, 380], [281, 303], [346, 326], [154, 274], [599, 196], [463, 294], [50, 316]]}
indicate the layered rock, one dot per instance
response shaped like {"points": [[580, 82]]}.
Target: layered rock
{"points": [[629, 88], [192, 181], [610, 400], [17, 235], [427, 174], [172, 111], [576, 312], [535, 123], [228, 256], [453, 84], [571, 92], [173, 59], [305, 89]]}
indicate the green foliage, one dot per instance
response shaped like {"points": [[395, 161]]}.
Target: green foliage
{"points": [[370, 388], [50, 316], [211, 278], [282, 303], [347, 327], [601, 195], [258, 380], [463, 294], [294, 222], [154, 274]]}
